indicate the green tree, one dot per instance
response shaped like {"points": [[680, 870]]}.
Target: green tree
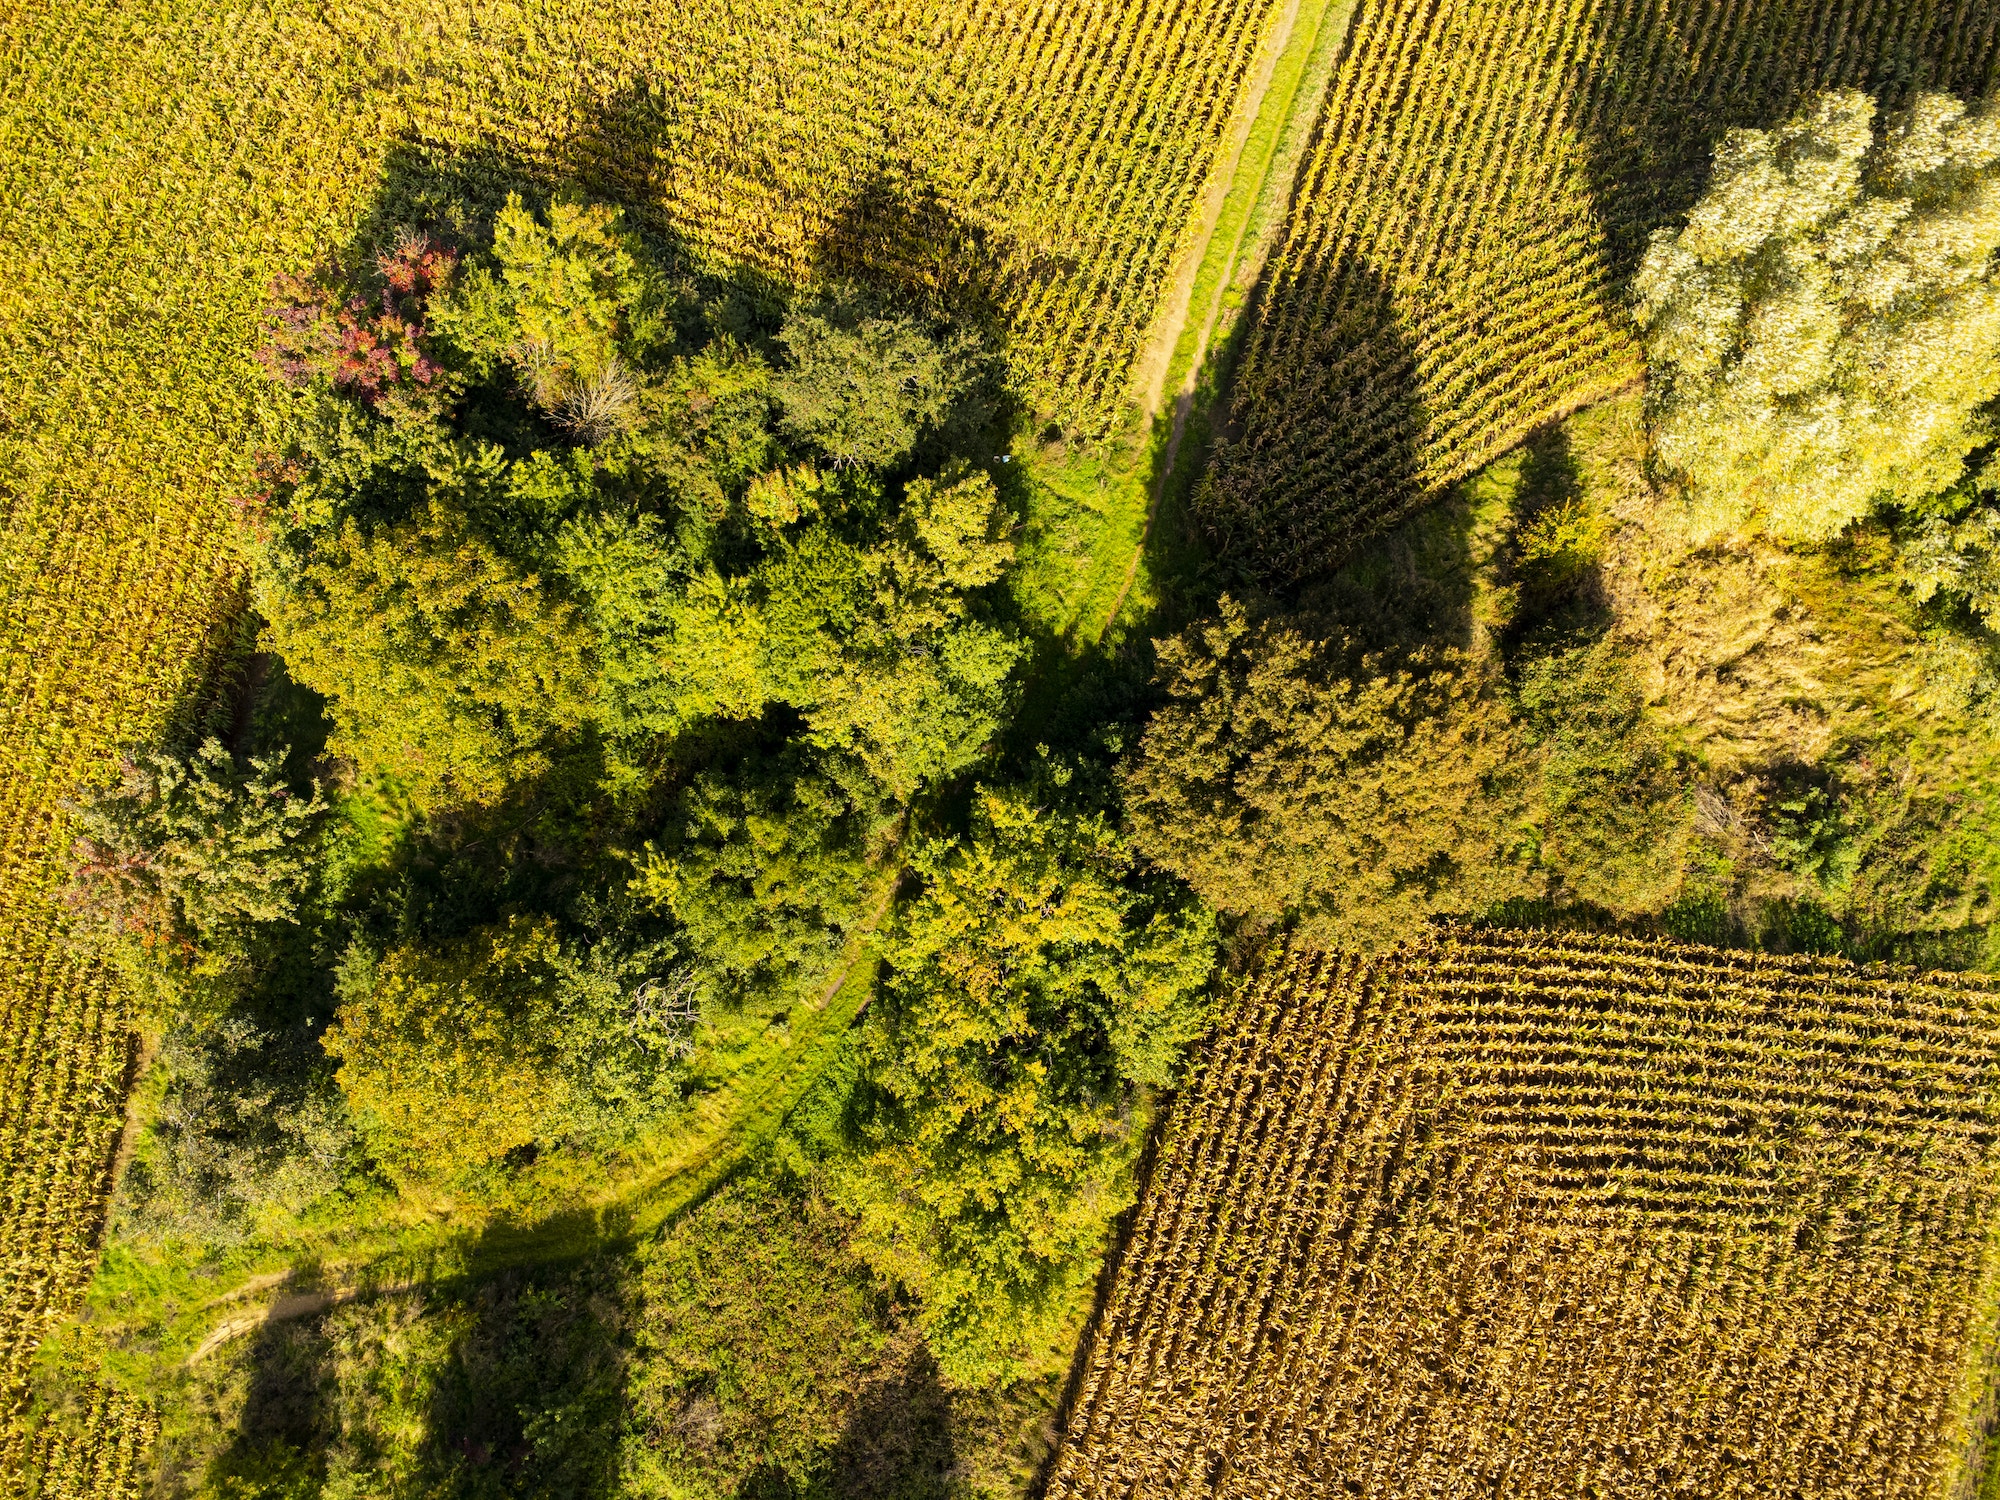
{"points": [[187, 850], [454, 1054], [1029, 989], [882, 649], [1822, 334], [861, 386], [1282, 778], [442, 662], [768, 877]]}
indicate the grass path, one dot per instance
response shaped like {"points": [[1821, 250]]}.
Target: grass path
{"points": [[1245, 210]]}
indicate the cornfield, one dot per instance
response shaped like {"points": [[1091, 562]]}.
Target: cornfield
{"points": [[1036, 161], [1538, 1215], [1483, 181]]}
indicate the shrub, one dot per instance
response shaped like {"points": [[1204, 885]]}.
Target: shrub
{"points": [[1823, 332], [757, 1332], [247, 1123]]}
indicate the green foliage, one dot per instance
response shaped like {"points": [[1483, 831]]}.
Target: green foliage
{"points": [[860, 386], [511, 1388], [454, 1055], [1823, 333], [1811, 836], [1950, 547], [586, 539], [905, 675], [1030, 988], [1615, 813], [188, 849], [445, 665], [757, 1333], [248, 1122], [1280, 780], [768, 877]]}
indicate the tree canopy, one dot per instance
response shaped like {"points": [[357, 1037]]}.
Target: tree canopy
{"points": [[1030, 989], [529, 501], [1823, 332]]}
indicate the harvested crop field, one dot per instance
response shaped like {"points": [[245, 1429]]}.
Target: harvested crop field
{"points": [[1536, 1215]]}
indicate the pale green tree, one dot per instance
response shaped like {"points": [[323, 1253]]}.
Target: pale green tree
{"points": [[1823, 331]]}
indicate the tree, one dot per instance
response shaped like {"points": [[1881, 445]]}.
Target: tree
{"points": [[192, 849], [1029, 990], [1283, 778], [768, 876], [453, 1055], [527, 522], [1822, 334], [882, 649], [443, 663], [861, 386]]}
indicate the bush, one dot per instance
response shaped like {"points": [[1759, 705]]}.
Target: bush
{"points": [[247, 1123], [1823, 332], [757, 1333]]}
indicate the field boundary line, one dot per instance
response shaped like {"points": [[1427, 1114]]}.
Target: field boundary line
{"points": [[1243, 251]]}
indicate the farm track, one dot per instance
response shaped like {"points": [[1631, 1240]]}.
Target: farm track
{"points": [[1229, 256], [643, 1209]]}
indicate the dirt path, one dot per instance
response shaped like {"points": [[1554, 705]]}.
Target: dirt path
{"points": [[1248, 242], [664, 1194]]}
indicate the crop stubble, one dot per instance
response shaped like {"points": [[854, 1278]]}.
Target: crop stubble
{"points": [[1528, 1214]]}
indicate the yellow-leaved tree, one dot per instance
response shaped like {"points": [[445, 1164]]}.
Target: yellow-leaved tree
{"points": [[1822, 333]]}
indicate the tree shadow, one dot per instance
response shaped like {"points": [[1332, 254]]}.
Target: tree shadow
{"points": [[1333, 457], [897, 1442], [902, 241], [512, 1384]]}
